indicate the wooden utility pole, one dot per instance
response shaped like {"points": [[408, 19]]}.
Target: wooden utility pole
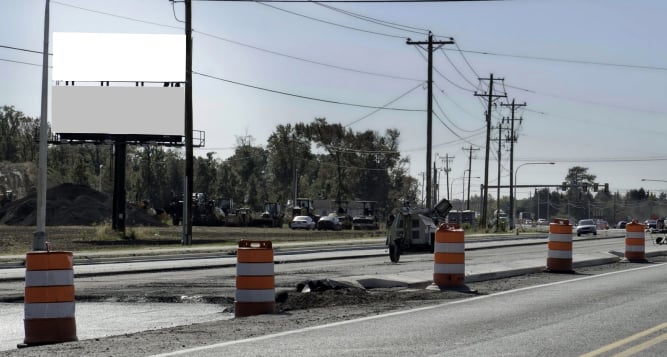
{"points": [[490, 97], [500, 151], [470, 149], [512, 139], [445, 161], [429, 105], [187, 199]]}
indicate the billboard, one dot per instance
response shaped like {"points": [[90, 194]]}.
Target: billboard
{"points": [[118, 57], [118, 110], [125, 107]]}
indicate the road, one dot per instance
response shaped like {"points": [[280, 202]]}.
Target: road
{"points": [[620, 312]]}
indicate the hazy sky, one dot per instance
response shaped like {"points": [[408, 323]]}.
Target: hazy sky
{"points": [[593, 75]]}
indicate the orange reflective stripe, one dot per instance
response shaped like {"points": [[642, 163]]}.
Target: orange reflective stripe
{"points": [[48, 261], [560, 245], [449, 258], [560, 228], [250, 255], [449, 237], [255, 282], [45, 294], [634, 227]]}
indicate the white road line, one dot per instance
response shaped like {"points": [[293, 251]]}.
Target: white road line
{"points": [[396, 313]]}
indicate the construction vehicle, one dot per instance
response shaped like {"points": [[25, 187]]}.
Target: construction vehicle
{"points": [[413, 229], [272, 216], [343, 215], [205, 212], [367, 219]]}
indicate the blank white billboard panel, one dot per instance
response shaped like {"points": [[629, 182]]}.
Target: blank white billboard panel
{"points": [[118, 110], [118, 57]]}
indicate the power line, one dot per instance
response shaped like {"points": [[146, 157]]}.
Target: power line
{"points": [[21, 62], [23, 49], [566, 60], [377, 110], [118, 16], [329, 22], [241, 44], [466, 61], [437, 104], [305, 97], [307, 60], [456, 68], [376, 21], [443, 76]]}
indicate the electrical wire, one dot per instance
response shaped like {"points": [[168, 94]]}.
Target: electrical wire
{"points": [[565, 60], [375, 20], [118, 16], [305, 97], [466, 60], [384, 106], [307, 60], [442, 75], [437, 104], [329, 22], [456, 68], [240, 44], [21, 62]]}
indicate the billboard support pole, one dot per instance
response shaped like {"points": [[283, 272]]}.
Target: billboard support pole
{"points": [[39, 238], [187, 200]]}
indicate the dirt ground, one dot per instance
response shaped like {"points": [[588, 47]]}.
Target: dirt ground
{"points": [[297, 310]]}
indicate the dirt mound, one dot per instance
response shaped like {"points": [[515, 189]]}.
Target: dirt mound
{"points": [[70, 205]]}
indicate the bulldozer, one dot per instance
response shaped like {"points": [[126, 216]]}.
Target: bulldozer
{"points": [[413, 229]]}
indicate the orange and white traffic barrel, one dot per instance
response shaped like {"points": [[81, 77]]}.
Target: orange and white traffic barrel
{"points": [[255, 279], [559, 256], [635, 242], [49, 298], [449, 256]]}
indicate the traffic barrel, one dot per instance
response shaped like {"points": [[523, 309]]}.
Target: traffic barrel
{"points": [[635, 242], [255, 279], [449, 256], [559, 256], [49, 298]]}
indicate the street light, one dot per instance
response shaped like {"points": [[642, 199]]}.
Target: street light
{"points": [[512, 198]]}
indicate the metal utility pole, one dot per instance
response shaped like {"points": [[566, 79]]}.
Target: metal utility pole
{"points": [[39, 237], [512, 139], [490, 98], [470, 149], [187, 200], [429, 104]]}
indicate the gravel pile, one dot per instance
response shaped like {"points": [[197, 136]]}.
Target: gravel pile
{"points": [[70, 205]]}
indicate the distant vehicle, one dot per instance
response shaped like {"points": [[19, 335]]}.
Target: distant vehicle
{"points": [[302, 222], [529, 222], [602, 224], [586, 226], [542, 222], [650, 223], [329, 223], [621, 224]]}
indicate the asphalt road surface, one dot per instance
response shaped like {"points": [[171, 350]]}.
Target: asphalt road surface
{"points": [[622, 313]]}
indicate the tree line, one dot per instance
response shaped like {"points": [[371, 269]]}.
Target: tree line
{"points": [[322, 160]]}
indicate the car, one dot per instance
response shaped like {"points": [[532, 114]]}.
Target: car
{"points": [[302, 222], [621, 224], [602, 224], [329, 223], [542, 222], [650, 223], [586, 226]]}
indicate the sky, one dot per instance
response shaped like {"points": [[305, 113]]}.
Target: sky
{"points": [[593, 75]]}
